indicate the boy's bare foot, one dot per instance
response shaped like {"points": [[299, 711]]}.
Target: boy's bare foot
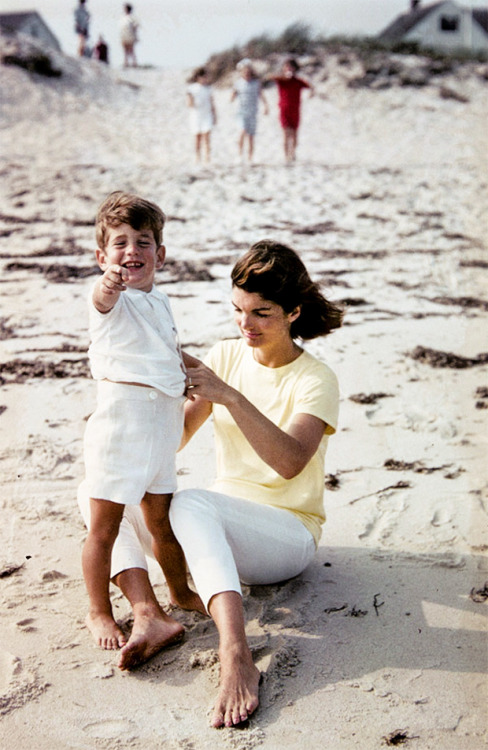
{"points": [[105, 631], [239, 689], [189, 600], [149, 636]]}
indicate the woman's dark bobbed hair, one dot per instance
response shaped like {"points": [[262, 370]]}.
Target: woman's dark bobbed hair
{"points": [[276, 272]]}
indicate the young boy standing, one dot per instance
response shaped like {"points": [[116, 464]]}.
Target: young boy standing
{"points": [[132, 437]]}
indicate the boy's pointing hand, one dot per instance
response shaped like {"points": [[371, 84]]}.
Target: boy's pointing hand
{"points": [[108, 288], [113, 279]]}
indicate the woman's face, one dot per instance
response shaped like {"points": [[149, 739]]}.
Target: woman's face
{"points": [[261, 322]]}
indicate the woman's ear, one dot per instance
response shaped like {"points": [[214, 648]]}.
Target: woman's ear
{"points": [[294, 314]]}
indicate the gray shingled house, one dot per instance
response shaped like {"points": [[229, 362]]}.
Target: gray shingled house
{"points": [[29, 23], [446, 26]]}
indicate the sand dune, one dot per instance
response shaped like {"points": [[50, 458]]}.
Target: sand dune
{"points": [[381, 642]]}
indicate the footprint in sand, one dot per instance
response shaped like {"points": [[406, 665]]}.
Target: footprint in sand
{"points": [[27, 625], [10, 666], [440, 518], [19, 683], [112, 729]]}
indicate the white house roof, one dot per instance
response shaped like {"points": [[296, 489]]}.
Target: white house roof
{"points": [[11, 23], [406, 21]]}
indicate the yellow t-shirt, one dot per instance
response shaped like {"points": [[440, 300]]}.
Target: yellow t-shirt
{"points": [[305, 386]]}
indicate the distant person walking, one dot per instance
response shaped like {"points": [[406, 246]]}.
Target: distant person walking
{"points": [[247, 90], [289, 92], [82, 24], [203, 116], [129, 26]]}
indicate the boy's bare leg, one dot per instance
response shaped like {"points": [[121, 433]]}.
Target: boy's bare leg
{"points": [[168, 552], [239, 677], [153, 629], [96, 558]]}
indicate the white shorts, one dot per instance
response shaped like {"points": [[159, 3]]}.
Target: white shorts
{"points": [[131, 442]]}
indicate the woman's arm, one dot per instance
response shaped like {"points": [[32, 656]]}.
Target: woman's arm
{"points": [[286, 452]]}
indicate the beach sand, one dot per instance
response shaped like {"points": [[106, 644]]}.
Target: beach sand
{"points": [[382, 640]]}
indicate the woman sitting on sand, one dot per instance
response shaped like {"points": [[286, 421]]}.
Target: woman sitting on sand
{"points": [[274, 406]]}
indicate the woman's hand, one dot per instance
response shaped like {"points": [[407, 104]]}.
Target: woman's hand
{"points": [[203, 382], [203, 387], [286, 452]]}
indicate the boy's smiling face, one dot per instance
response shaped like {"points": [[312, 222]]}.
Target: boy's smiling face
{"points": [[136, 252]]}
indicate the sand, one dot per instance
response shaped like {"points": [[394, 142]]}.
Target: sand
{"points": [[382, 640]]}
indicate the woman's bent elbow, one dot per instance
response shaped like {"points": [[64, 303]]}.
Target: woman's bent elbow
{"points": [[292, 470]]}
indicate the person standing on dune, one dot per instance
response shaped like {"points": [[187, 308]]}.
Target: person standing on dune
{"points": [[82, 25], [129, 26]]}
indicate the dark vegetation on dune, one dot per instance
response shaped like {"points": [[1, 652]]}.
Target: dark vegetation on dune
{"points": [[299, 40]]}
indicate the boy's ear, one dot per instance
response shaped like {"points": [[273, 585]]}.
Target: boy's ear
{"points": [[160, 256], [101, 258]]}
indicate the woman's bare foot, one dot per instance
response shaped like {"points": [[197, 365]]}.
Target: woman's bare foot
{"points": [[189, 600], [149, 635], [105, 631], [239, 689]]}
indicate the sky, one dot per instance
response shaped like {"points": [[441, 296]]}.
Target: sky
{"points": [[184, 33]]}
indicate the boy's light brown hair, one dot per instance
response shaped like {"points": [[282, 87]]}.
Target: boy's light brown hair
{"points": [[126, 208]]}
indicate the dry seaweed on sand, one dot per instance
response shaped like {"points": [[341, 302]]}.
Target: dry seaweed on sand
{"points": [[437, 358]]}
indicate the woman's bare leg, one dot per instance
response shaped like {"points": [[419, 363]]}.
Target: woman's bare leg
{"points": [[239, 678]]}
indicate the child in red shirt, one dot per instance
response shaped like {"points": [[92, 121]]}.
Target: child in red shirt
{"points": [[289, 91]]}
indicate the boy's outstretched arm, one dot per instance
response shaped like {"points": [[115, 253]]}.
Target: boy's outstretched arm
{"points": [[108, 288]]}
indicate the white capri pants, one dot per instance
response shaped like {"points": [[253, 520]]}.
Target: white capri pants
{"points": [[225, 540]]}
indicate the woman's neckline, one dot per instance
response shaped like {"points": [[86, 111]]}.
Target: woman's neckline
{"points": [[298, 353]]}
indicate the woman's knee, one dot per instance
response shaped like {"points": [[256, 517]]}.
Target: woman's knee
{"points": [[189, 506]]}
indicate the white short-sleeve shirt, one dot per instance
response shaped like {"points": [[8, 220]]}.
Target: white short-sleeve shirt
{"points": [[137, 342]]}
